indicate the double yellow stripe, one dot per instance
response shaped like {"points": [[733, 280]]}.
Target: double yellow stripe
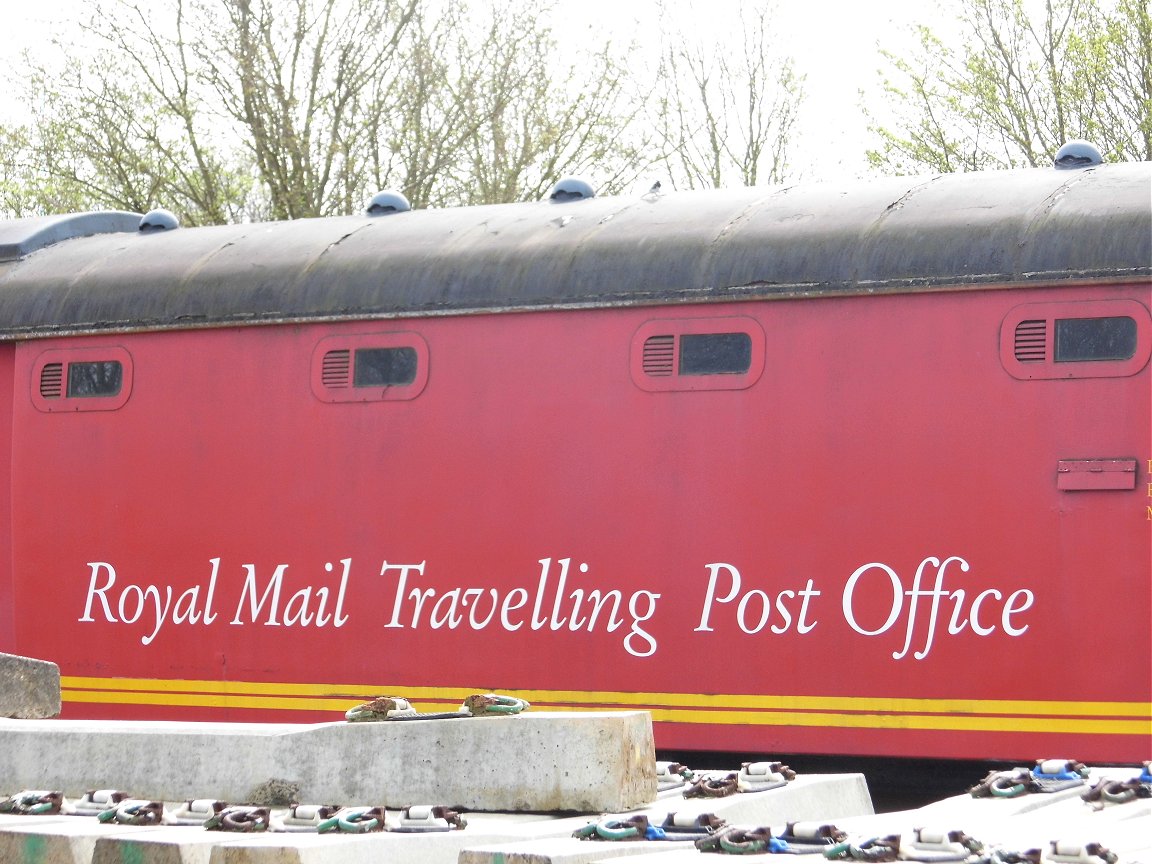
{"points": [[1097, 718]]}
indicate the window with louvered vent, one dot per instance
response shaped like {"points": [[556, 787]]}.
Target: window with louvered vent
{"points": [[1089, 339], [82, 379], [380, 367], [698, 354]]}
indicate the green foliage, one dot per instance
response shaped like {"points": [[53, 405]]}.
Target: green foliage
{"points": [[240, 110], [233, 110], [1026, 78]]}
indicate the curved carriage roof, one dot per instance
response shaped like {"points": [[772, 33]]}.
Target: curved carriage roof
{"points": [[888, 235]]}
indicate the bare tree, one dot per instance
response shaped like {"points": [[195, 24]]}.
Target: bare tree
{"points": [[297, 77], [123, 129], [726, 116], [250, 109], [485, 113], [418, 127], [537, 118]]}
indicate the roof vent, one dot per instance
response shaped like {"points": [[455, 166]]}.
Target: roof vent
{"points": [[1077, 154], [158, 220], [388, 201], [571, 189]]}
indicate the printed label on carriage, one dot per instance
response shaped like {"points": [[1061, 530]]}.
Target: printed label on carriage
{"points": [[985, 613], [563, 598]]}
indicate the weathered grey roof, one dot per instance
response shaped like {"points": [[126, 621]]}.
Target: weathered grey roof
{"points": [[891, 234]]}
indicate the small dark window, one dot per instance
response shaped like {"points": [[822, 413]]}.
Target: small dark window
{"points": [[715, 353], [102, 378], [689, 354], [82, 379], [384, 367], [370, 367], [1082, 339]]}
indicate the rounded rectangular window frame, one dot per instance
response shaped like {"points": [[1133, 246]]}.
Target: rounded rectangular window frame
{"points": [[334, 367], [51, 372], [1028, 340], [655, 355]]}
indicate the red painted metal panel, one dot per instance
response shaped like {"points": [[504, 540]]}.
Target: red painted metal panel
{"points": [[7, 609], [864, 552]]}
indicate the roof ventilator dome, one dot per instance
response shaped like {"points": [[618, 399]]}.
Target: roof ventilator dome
{"points": [[158, 220], [1077, 154], [388, 201], [571, 189]]}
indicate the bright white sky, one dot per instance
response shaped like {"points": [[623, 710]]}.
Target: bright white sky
{"points": [[832, 42]]}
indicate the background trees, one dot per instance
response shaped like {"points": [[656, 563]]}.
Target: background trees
{"points": [[1026, 77], [231, 110], [226, 110], [725, 109]]}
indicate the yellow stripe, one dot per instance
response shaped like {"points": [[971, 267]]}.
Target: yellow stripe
{"points": [[359, 692], [682, 715]]}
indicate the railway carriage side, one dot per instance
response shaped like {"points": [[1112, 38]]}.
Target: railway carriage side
{"points": [[850, 521]]}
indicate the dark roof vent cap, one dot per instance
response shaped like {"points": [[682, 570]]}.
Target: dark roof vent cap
{"points": [[571, 189], [1077, 154], [158, 220], [388, 201]]}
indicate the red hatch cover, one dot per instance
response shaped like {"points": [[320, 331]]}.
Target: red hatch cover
{"points": [[1074, 474]]}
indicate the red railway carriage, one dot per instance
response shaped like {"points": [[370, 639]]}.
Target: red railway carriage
{"points": [[858, 470]]}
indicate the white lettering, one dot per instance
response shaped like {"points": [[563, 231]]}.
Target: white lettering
{"points": [[850, 591], [807, 593], [340, 619], [189, 614], [400, 586], [509, 606], [254, 607], [546, 607], [161, 611], [296, 609], [1010, 609], [135, 589], [639, 618], [93, 591], [974, 619], [710, 594], [937, 597], [449, 616], [479, 592], [747, 618], [765, 611]]}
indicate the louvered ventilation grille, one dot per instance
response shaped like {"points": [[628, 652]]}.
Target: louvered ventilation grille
{"points": [[337, 366], [660, 356], [1031, 341], [52, 380]]}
